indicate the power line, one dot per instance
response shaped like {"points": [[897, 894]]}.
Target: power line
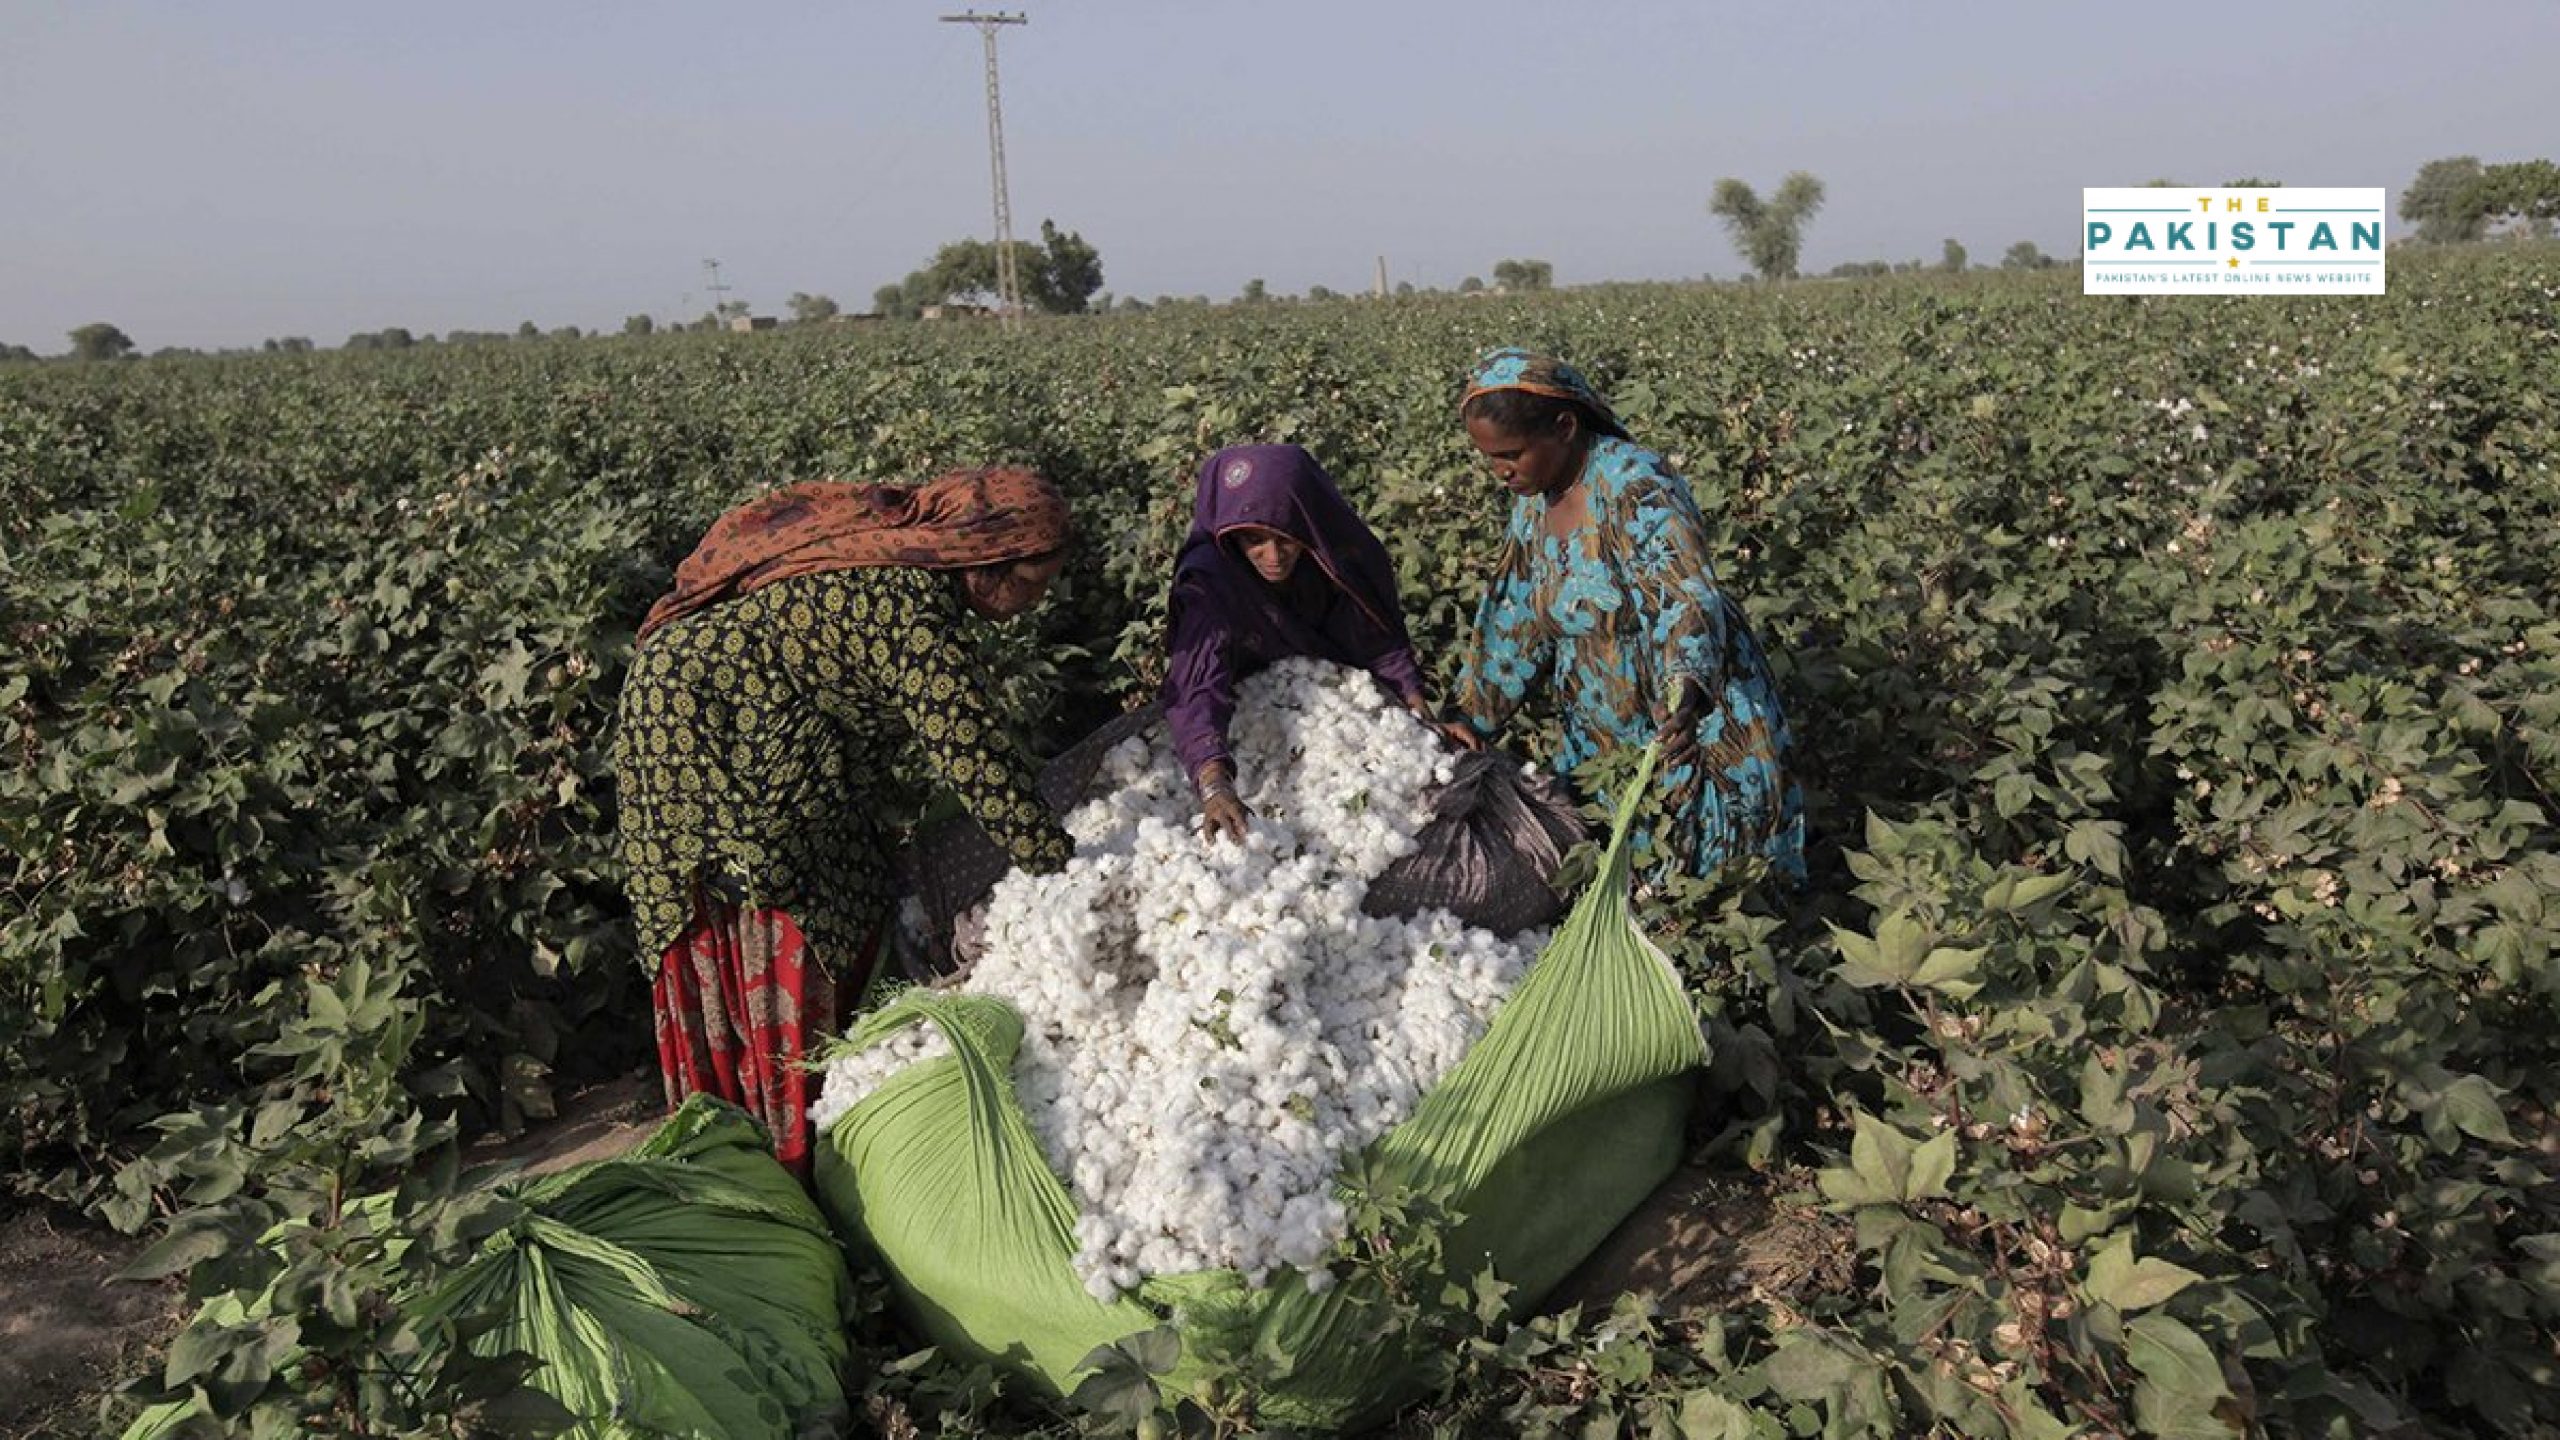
{"points": [[719, 290], [1008, 280]]}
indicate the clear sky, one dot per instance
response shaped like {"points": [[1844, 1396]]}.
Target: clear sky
{"points": [[215, 173]]}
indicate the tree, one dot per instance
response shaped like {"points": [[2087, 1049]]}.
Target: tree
{"points": [[1255, 292], [2166, 185], [1951, 257], [1769, 234], [1470, 285], [2025, 255], [1524, 275], [390, 337], [807, 309], [1059, 276], [1321, 293], [1403, 288], [2446, 201], [99, 340], [528, 331], [2253, 183], [1068, 275], [288, 345], [2526, 192], [16, 352], [638, 325]]}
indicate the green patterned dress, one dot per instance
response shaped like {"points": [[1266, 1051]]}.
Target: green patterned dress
{"points": [[750, 731]]}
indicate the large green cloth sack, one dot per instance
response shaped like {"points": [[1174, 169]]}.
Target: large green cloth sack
{"points": [[1557, 1124], [687, 1288]]}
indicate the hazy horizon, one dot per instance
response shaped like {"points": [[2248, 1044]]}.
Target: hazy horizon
{"points": [[214, 176]]}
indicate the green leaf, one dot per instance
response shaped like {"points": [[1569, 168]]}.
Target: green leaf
{"points": [[1879, 1169], [200, 1349], [2012, 793], [2117, 1278], [2098, 843], [2102, 1101], [2024, 890], [178, 1250], [2079, 1223], [1706, 1415], [2033, 1421], [1950, 972], [503, 681], [2181, 1379], [132, 789], [276, 1119], [1806, 1367], [2471, 1103], [1931, 1167], [1862, 967], [1121, 1392], [1157, 1351], [1901, 943]]}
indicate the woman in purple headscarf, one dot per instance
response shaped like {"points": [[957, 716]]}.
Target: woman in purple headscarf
{"points": [[1276, 564]]}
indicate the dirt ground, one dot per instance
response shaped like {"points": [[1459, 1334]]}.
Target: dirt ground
{"points": [[596, 1123], [1709, 1240], [68, 1333]]}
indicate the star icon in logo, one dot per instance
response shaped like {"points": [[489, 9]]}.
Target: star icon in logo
{"points": [[2234, 262]]}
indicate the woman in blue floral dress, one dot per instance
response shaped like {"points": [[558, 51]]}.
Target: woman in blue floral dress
{"points": [[1605, 592]]}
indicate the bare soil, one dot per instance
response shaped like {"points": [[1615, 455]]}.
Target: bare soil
{"points": [[596, 1123], [1715, 1239], [68, 1332]]}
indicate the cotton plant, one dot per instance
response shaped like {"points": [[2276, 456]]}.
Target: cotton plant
{"points": [[1212, 1029]]}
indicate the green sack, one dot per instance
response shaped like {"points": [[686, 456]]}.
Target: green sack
{"points": [[1552, 1129], [686, 1288]]}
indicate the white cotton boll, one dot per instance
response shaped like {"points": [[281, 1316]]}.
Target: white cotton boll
{"points": [[1212, 1030]]}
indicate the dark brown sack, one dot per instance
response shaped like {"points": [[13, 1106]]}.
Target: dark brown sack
{"points": [[1496, 837]]}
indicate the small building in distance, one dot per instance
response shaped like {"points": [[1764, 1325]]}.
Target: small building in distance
{"points": [[744, 323]]}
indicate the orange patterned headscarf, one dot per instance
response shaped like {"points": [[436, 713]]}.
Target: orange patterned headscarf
{"points": [[967, 517]]}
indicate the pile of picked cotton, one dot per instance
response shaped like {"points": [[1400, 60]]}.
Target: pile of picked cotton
{"points": [[1213, 1029]]}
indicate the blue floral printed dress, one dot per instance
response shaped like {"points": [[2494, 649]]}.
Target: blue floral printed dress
{"points": [[1615, 615]]}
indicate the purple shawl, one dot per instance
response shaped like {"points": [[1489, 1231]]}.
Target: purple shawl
{"points": [[1228, 622]]}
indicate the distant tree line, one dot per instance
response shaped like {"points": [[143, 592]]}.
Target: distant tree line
{"points": [[2455, 200]]}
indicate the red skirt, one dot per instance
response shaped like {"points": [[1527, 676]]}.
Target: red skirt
{"points": [[739, 1000]]}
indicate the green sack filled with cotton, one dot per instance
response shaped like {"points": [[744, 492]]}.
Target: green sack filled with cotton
{"points": [[1138, 1104], [686, 1288]]}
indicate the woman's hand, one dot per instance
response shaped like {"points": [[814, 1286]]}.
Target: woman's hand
{"points": [[1460, 734], [1680, 732], [1222, 813], [1457, 733]]}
